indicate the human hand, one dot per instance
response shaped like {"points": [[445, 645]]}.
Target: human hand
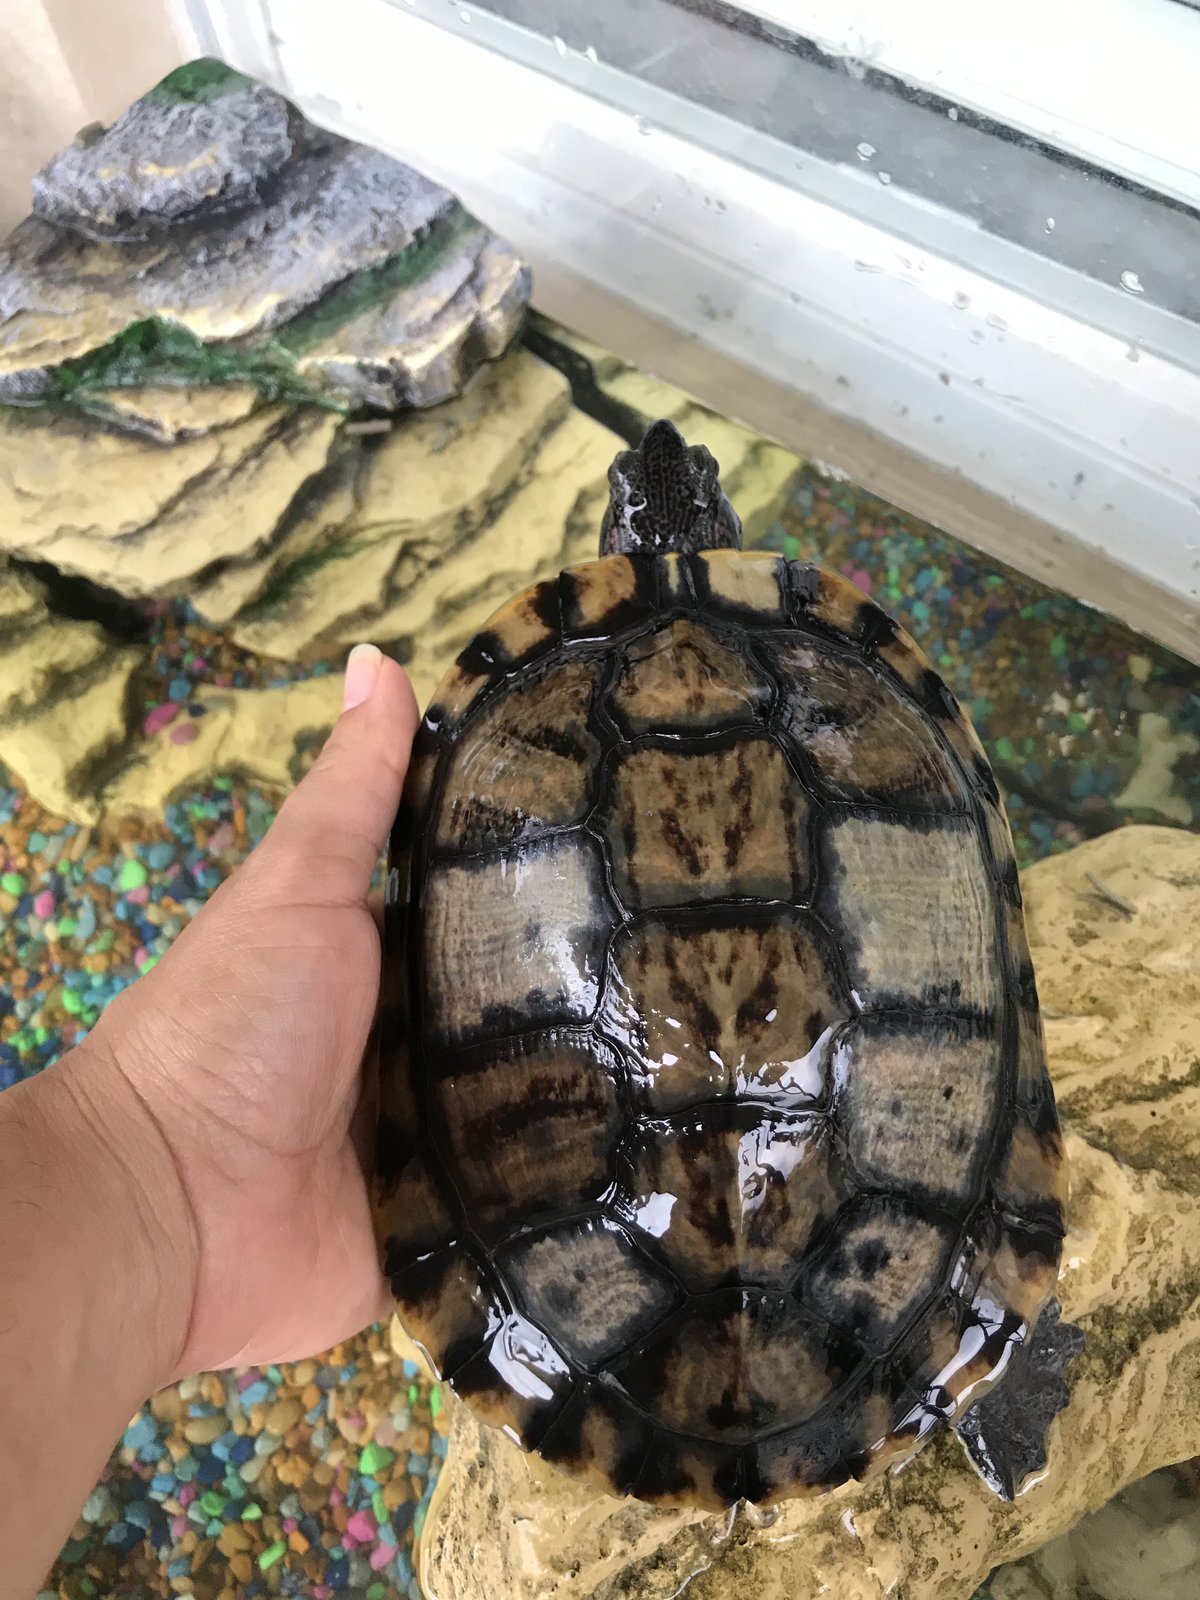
{"points": [[229, 1075]]}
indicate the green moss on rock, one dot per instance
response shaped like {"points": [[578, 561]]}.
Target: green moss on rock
{"points": [[197, 83]]}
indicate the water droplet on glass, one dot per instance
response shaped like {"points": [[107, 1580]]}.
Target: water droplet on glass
{"points": [[656, 204], [976, 336], [993, 321], [885, 177], [590, 53], [641, 124], [962, 301], [1133, 353], [953, 113], [1131, 282], [865, 151], [560, 44], [1049, 224], [464, 16]]}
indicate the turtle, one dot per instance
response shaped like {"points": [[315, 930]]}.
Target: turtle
{"points": [[717, 1157]]}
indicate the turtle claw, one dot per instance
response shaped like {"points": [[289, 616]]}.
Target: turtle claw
{"points": [[1005, 1433]]}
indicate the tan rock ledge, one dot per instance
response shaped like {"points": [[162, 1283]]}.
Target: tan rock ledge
{"points": [[1115, 931]]}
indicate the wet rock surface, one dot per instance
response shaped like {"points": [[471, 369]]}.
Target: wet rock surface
{"points": [[1121, 988]]}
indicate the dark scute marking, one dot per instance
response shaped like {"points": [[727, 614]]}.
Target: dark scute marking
{"points": [[742, 1478], [484, 655], [393, 1146], [628, 1464], [942, 996], [842, 1353], [1027, 986], [763, 997], [419, 1285], [479, 1380], [741, 790], [500, 1019], [725, 1413], [736, 1478], [684, 847], [662, 1475], [644, 602], [983, 772], [1039, 1109], [872, 1256], [1041, 1235], [854, 1463], [875, 627], [564, 1439], [696, 578], [1007, 878], [541, 1090], [802, 585], [569, 601], [934, 696], [544, 603]]}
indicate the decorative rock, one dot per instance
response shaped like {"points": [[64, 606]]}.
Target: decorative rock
{"points": [[167, 414], [263, 733], [64, 690], [420, 347], [211, 149], [426, 490], [1124, 1061], [1154, 786], [423, 581], [253, 217], [1145, 1542], [41, 656], [146, 520]]}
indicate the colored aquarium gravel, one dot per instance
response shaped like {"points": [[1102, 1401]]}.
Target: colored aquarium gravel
{"points": [[306, 1479], [313, 1478], [1088, 725]]}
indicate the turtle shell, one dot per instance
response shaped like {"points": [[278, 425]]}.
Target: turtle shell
{"points": [[717, 1155]]}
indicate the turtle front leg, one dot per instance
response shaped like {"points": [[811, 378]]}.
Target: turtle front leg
{"points": [[1005, 1433]]}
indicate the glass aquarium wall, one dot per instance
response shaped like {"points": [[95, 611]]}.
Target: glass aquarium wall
{"points": [[960, 263]]}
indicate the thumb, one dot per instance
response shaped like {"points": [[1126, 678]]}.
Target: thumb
{"points": [[329, 834]]}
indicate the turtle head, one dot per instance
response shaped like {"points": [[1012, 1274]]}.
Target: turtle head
{"points": [[665, 496]]}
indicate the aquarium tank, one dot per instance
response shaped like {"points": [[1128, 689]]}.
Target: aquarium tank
{"points": [[338, 325]]}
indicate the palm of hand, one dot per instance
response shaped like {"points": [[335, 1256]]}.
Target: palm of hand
{"points": [[245, 1045]]}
